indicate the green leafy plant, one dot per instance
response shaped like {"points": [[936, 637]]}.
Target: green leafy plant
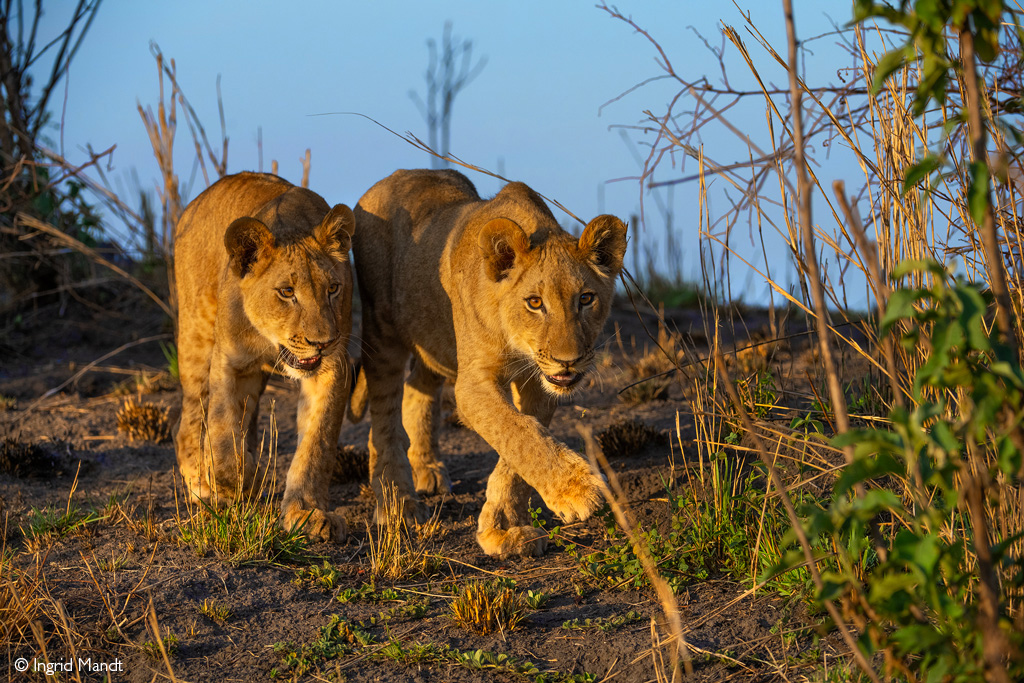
{"points": [[922, 600], [339, 638], [52, 522], [369, 593], [536, 599], [152, 649], [413, 609], [318, 576], [611, 623]]}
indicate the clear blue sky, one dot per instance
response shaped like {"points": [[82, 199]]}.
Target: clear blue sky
{"points": [[535, 106]]}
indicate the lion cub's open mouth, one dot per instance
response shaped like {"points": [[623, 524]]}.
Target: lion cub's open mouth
{"points": [[565, 379], [290, 359]]}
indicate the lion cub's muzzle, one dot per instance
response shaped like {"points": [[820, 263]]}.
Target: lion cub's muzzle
{"points": [[308, 364], [312, 362], [566, 373], [565, 379]]}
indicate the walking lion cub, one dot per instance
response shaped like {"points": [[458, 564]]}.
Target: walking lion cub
{"points": [[497, 297], [263, 283]]}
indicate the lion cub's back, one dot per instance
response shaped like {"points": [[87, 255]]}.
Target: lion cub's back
{"points": [[403, 221], [199, 252], [231, 197], [408, 197]]}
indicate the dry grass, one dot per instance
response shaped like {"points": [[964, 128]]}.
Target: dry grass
{"points": [[22, 601], [927, 219], [627, 437], [395, 552], [650, 370], [488, 607], [143, 421]]}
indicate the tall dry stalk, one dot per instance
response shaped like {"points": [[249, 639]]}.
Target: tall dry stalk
{"points": [[616, 497], [161, 127]]}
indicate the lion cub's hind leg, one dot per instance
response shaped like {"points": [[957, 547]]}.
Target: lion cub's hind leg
{"points": [[421, 416], [389, 464], [504, 527], [195, 346]]}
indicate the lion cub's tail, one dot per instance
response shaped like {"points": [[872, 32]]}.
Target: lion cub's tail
{"points": [[359, 396]]}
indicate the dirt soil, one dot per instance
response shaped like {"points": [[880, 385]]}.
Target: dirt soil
{"points": [[105, 574]]}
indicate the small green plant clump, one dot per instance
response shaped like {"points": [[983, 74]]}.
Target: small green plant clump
{"points": [[152, 650], [611, 623], [317, 576], [243, 533], [170, 352], [414, 609], [336, 639], [732, 528], [339, 638], [369, 593], [55, 522], [488, 607], [536, 599], [214, 610]]}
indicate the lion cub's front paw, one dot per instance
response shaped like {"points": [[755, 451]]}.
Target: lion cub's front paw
{"points": [[215, 497], [431, 479], [318, 525], [576, 494], [525, 541]]}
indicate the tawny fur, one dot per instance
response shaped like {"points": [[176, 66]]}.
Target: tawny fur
{"points": [[240, 248], [454, 281]]}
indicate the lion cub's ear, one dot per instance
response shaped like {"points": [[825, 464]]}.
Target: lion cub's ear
{"points": [[247, 241], [604, 242], [502, 241], [335, 230]]}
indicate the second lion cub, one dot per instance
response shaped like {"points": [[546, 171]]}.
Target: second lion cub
{"points": [[497, 297]]}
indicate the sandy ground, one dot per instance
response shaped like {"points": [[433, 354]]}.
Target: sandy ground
{"points": [[106, 574]]}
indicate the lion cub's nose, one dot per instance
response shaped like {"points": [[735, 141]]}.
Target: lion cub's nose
{"points": [[321, 345], [567, 363]]}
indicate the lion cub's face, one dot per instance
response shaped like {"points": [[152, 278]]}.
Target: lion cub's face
{"points": [[554, 298], [297, 295]]}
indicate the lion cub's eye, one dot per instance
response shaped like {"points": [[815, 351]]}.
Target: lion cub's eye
{"points": [[535, 303], [586, 299], [286, 292], [333, 289]]}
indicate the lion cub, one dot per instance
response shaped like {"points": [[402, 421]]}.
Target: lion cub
{"points": [[263, 283], [497, 297]]}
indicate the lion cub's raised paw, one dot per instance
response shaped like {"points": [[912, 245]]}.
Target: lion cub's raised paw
{"points": [[525, 541], [318, 525], [576, 495]]}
